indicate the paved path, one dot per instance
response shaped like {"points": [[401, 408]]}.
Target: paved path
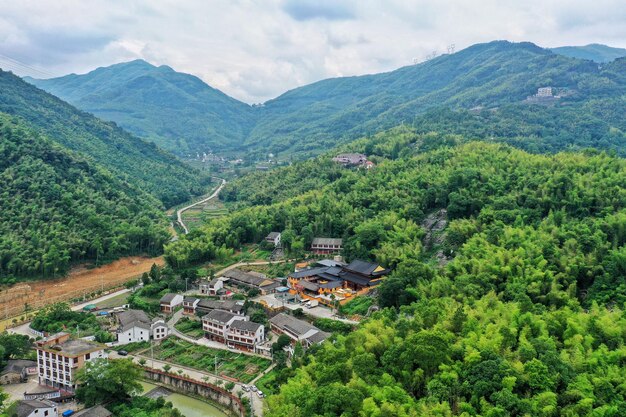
{"points": [[179, 213]]}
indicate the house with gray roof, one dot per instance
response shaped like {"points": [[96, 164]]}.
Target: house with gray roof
{"points": [[326, 245], [17, 370], [234, 330], [36, 408], [96, 411], [136, 326], [169, 302], [298, 330]]}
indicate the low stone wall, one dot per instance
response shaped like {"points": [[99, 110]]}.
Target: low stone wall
{"points": [[192, 387]]}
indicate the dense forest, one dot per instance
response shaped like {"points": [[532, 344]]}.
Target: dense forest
{"points": [[129, 158], [524, 318], [58, 208], [177, 111]]}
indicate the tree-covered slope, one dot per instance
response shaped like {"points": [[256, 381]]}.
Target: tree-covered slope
{"points": [[58, 208], [593, 52], [177, 111], [126, 156], [322, 115], [526, 317]]}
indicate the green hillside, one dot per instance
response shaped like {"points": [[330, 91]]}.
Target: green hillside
{"points": [[59, 208], [176, 111], [331, 112], [525, 316], [126, 156], [593, 52]]}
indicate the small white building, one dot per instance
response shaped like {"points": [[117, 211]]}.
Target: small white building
{"points": [[211, 287], [136, 326], [37, 408], [169, 302], [273, 238]]}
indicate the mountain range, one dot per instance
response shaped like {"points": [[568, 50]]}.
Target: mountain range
{"points": [[593, 52], [184, 115]]}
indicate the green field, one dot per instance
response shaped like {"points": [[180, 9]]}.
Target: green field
{"points": [[194, 217], [189, 327], [116, 301], [229, 364]]}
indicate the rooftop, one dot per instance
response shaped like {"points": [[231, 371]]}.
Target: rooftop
{"points": [[17, 365], [26, 407], [366, 268], [249, 326], [219, 316], [272, 235], [249, 278], [326, 241], [73, 347], [168, 298], [97, 411], [298, 327]]}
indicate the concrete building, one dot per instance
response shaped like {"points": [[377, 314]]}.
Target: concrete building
{"points": [[59, 358], [36, 408], [211, 287], [217, 323], [297, 330], [326, 245], [190, 304], [273, 238], [17, 370], [169, 302], [232, 306], [245, 335], [136, 326]]}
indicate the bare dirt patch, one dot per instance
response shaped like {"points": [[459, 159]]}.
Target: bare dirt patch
{"points": [[81, 281]]}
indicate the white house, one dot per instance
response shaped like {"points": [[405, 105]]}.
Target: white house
{"points": [[211, 287], [169, 302], [37, 408], [273, 238], [136, 326]]}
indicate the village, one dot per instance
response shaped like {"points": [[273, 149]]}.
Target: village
{"points": [[230, 329]]}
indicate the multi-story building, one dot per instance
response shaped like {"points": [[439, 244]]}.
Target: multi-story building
{"points": [[326, 245], [36, 408], [190, 304], [232, 329], [211, 287], [232, 306], [59, 358], [245, 335]]}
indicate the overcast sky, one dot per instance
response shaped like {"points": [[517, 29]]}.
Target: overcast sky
{"points": [[256, 50]]}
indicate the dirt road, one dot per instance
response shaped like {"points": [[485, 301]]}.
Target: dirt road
{"points": [[80, 281]]}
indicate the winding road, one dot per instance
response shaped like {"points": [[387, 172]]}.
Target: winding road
{"points": [[179, 213]]}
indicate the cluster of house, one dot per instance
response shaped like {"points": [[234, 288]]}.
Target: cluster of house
{"points": [[136, 326], [329, 281], [353, 159]]}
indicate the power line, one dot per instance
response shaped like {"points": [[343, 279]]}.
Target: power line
{"points": [[21, 66]]}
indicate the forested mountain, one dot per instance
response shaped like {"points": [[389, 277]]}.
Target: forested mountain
{"points": [[525, 318], [334, 111], [59, 208], [312, 119], [126, 156], [593, 52], [177, 111]]}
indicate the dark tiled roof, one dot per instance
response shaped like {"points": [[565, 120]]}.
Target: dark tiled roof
{"points": [[331, 284], [357, 279], [97, 411], [318, 337], [295, 326], [308, 272], [309, 285], [330, 262], [249, 326], [17, 365], [362, 267], [326, 241], [26, 407], [190, 299], [220, 316], [168, 298], [246, 277], [132, 316]]}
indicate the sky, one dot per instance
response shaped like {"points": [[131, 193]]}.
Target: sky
{"points": [[256, 50]]}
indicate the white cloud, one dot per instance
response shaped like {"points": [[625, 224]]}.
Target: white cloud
{"points": [[255, 50]]}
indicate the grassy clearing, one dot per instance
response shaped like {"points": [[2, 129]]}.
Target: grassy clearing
{"points": [[229, 364], [116, 301], [189, 327]]}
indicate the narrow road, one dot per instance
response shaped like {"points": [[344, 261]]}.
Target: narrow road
{"points": [[179, 213]]}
